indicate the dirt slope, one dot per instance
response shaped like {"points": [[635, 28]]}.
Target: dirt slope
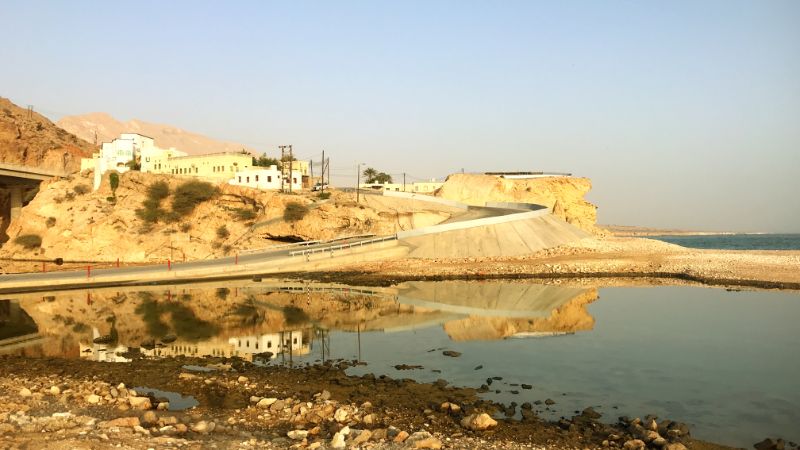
{"points": [[564, 195], [33, 140], [166, 136]]}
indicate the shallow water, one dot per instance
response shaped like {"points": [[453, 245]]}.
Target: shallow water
{"points": [[727, 363]]}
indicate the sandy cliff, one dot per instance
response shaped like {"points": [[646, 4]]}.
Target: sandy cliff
{"points": [[32, 140], [87, 226], [564, 195]]}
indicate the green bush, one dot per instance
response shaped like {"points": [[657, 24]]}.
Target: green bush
{"points": [[324, 195], [294, 316], [222, 232], [81, 189], [150, 215], [294, 211], [244, 214], [29, 241], [185, 227], [113, 180], [190, 194]]}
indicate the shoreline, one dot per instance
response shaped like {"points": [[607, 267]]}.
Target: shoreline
{"points": [[82, 402]]}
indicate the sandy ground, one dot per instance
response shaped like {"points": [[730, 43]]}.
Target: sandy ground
{"points": [[607, 261]]}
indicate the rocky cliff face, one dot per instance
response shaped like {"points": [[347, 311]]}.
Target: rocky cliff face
{"points": [[32, 140], [79, 225], [563, 195]]}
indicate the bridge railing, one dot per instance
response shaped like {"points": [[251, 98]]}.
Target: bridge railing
{"points": [[332, 248]]}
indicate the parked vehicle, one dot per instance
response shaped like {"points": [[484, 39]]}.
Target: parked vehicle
{"points": [[319, 187]]}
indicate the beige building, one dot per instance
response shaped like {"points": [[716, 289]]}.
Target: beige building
{"points": [[214, 166]]}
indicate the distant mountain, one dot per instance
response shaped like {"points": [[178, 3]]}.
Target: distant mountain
{"points": [[30, 139], [165, 136]]}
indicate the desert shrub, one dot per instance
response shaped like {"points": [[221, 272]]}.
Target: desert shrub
{"points": [[222, 232], [244, 214], [215, 245], [113, 180], [294, 316], [294, 211], [190, 194], [111, 199], [50, 222], [157, 191], [151, 211], [81, 189], [29, 241], [185, 227], [226, 249], [69, 196], [222, 293], [324, 195]]}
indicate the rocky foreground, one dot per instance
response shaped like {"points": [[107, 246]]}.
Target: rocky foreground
{"points": [[60, 404]]}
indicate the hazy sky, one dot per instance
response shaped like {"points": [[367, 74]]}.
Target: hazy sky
{"points": [[683, 114]]}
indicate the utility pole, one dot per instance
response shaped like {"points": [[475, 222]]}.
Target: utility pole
{"points": [[404, 181], [286, 154], [291, 179], [358, 180], [30, 111], [322, 178]]}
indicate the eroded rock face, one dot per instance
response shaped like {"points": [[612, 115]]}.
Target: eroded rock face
{"points": [[564, 195], [32, 140], [478, 422]]}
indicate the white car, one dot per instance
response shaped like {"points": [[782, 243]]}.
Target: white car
{"points": [[319, 187]]}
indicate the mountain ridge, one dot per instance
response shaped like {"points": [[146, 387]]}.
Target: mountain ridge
{"points": [[107, 128]]}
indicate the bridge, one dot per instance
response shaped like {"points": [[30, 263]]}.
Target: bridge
{"points": [[18, 180]]}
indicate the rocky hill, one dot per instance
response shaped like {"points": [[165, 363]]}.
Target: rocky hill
{"points": [[77, 224], [31, 139], [563, 195], [107, 128]]}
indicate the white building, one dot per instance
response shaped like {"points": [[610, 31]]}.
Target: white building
{"points": [[266, 178], [116, 155], [298, 341]]}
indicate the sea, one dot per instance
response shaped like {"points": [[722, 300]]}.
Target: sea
{"points": [[736, 241]]}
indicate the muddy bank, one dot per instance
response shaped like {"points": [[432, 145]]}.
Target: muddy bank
{"points": [[316, 406]]}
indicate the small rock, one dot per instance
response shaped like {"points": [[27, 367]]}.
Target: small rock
{"points": [[55, 390], [93, 399], [325, 395], [340, 415], [24, 392], [634, 444], [338, 441], [203, 427], [769, 444], [362, 437], [590, 413], [242, 379], [549, 402], [266, 402], [478, 422], [297, 435], [430, 442], [526, 386], [141, 403], [675, 446], [149, 418], [401, 437], [451, 353], [659, 442]]}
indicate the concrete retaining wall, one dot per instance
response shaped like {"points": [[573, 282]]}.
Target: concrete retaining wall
{"points": [[426, 198]]}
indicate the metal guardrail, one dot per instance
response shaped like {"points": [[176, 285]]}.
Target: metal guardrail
{"points": [[304, 244], [391, 237]]}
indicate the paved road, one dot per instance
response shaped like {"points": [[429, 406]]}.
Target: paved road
{"points": [[263, 256]]}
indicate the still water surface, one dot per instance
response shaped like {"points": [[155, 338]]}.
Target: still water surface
{"points": [[727, 363]]}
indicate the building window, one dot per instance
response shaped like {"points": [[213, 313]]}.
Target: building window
{"points": [[256, 178], [256, 345], [269, 344], [248, 179], [269, 178], [240, 179]]}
